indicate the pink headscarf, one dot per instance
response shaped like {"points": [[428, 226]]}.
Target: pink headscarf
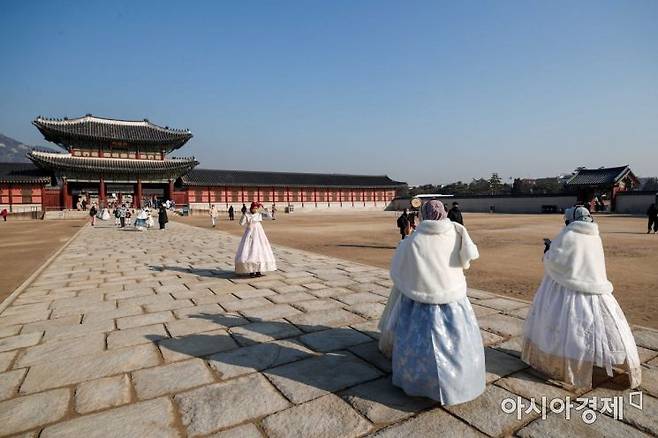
{"points": [[433, 211]]}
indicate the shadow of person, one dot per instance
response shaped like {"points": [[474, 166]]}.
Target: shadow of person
{"points": [[303, 361], [212, 273]]}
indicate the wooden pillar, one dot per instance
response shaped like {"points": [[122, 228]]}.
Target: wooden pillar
{"points": [[226, 196], [137, 201], [11, 203], [315, 196], [67, 201], [302, 194], [288, 195], [352, 196], [101, 191], [242, 194]]}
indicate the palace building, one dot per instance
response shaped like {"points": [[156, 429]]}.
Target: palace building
{"points": [[105, 161]]}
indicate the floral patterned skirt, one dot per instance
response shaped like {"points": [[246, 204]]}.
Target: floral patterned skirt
{"points": [[438, 351]]}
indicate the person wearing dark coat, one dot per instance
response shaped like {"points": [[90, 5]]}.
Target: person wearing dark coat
{"points": [[92, 215], [243, 209], [403, 224], [652, 213], [162, 217], [231, 213], [455, 214]]}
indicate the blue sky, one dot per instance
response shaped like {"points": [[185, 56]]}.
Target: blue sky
{"points": [[426, 92]]}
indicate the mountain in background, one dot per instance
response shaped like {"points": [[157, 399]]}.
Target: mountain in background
{"points": [[13, 151]]}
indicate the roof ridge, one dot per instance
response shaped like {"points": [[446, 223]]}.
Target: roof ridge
{"points": [[293, 173], [109, 121]]}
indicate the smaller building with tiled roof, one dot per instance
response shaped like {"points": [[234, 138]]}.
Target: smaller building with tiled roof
{"points": [[598, 188]]}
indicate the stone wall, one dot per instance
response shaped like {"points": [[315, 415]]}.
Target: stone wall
{"points": [[501, 204], [634, 202]]}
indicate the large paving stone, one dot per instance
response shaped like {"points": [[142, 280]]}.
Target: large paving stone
{"points": [[435, 423], [76, 331], [146, 319], [371, 354], [530, 386], [248, 430], [24, 413], [136, 336], [106, 315], [175, 377], [367, 310], [222, 405], [74, 370], [334, 339], [317, 304], [9, 383], [650, 380], [292, 297], [270, 312], [325, 319], [24, 318], [383, 403], [311, 378], [328, 416], [249, 303], [153, 418], [502, 325], [499, 364], [6, 359], [358, 298], [503, 304], [485, 413], [183, 327], [258, 332], [62, 349], [258, 357], [646, 338], [196, 345], [102, 393], [11, 330], [19, 341], [40, 326]]}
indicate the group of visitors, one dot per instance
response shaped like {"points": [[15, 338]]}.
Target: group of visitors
{"points": [[213, 212], [407, 221], [429, 329]]}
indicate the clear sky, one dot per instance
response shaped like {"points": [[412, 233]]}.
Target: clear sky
{"points": [[426, 92]]}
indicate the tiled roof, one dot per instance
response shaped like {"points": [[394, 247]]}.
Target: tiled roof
{"points": [[67, 162], [22, 173], [595, 177], [66, 131], [208, 177]]}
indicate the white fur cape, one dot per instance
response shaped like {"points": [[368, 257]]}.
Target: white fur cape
{"points": [[428, 266], [575, 259]]}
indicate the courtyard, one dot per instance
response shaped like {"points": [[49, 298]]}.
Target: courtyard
{"points": [[130, 333]]}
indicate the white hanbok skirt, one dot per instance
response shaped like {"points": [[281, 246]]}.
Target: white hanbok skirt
{"points": [[254, 252], [567, 333]]}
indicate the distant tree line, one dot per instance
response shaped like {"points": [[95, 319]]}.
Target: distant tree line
{"points": [[494, 186]]}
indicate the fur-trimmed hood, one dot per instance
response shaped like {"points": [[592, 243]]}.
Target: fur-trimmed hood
{"points": [[428, 266], [576, 261]]}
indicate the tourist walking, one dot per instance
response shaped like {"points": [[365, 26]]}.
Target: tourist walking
{"points": [[92, 215], [274, 210], [455, 214], [575, 323], [403, 224], [213, 214], [231, 213], [254, 255], [122, 215], [652, 213], [162, 216], [428, 326], [4, 214], [244, 208]]}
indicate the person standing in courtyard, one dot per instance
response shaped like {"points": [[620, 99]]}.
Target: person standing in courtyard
{"points": [[162, 216], [274, 210], [231, 213], [213, 215], [122, 215], [4, 213], [455, 214], [403, 224], [575, 323], [652, 213], [92, 215], [254, 255], [428, 325], [244, 209]]}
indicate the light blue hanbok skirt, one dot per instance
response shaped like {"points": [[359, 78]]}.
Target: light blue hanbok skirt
{"points": [[438, 351]]}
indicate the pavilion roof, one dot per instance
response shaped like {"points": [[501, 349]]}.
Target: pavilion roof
{"points": [[23, 173], [63, 163], [600, 177], [97, 129], [210, 177]]}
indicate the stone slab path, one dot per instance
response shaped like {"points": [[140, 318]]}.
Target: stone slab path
{"points": [[139, 334]]}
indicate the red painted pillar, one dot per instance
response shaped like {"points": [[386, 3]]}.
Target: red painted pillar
{"points": [[11, 204], [288, 195], [315, 196], [242, 194], [226, 195], [302, 194], [67, 201], [352, 196], [137, 202], [101, 191], [170, 190]]}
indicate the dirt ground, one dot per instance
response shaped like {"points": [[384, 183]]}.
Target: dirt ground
{"points": [[26, 245], [511, 249]]}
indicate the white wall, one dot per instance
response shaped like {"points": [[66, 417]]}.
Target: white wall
{"points": [[634, 203], [507, 204]]}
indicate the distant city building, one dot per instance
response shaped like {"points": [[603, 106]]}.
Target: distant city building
{"points": [[108, 161]]}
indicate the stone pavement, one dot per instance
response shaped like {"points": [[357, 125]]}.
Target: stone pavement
{"points": [[139, 334]]}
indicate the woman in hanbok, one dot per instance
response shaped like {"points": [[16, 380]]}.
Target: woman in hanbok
{"points": [[140, 220], [428, 326], [575, 323], [254, 254]]}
